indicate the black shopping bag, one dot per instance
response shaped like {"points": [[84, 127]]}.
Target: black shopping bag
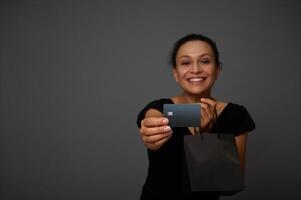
{"points": [[212, 164]]}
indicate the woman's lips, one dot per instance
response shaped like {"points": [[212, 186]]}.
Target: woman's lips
{"points": [[196, 80]]}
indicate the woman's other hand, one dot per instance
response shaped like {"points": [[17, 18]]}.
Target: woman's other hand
{"points": [[208, 114]]}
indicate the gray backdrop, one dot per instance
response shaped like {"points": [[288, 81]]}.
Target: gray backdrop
{"points": [[74, 76]]}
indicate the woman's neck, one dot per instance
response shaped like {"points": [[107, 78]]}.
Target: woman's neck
{"points": [[189, 98]]}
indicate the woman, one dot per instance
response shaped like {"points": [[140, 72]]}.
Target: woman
{"points": [[196, 67]]}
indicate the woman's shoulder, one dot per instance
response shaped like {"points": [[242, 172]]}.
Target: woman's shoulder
{"points": [[238, 116], [161, 101], [236, 108]]}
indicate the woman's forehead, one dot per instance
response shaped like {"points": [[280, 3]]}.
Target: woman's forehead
{"points": [[194, 48]]}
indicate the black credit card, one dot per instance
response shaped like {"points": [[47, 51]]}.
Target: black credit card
{"points": [[183, 115]]}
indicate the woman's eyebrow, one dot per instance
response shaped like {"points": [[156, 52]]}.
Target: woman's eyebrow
{"points": [[205, 54], [184, 56]]}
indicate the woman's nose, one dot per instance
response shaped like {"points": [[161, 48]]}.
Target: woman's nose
{"points": [[196, 67]]}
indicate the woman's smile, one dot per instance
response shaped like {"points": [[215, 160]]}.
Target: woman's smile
{"points": [[196, 80]]}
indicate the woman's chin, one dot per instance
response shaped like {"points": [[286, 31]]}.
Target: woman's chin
{"points": [[196, 92]]}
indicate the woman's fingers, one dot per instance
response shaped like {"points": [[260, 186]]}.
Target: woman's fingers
{"points": [[148, 131], [205, 112], [154, 126], [154, 121], [211, 103], [156, 138], [162, 141], [208, 101], [155, 131], [208, 112], [157, 144]]}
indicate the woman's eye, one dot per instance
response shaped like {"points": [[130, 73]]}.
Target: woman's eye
{"points": [[185, 63], [205, 61]]}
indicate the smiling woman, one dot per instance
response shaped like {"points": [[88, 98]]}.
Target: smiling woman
{"points": [[196, 67]]}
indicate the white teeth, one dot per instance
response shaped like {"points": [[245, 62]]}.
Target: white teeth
{"points": [[195, 79]]}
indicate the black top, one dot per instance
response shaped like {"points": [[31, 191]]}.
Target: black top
{"points": [[165, 178]]}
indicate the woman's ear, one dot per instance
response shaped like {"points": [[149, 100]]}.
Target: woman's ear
{"points": [[218, 70], [175, 74]]}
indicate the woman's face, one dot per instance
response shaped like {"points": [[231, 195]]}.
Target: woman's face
{"points": [[196, 70]]}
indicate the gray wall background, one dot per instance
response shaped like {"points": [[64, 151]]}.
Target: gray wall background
{"points": [[74, 75]]}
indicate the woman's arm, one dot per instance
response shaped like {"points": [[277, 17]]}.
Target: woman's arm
{"points": [[241, 143]]}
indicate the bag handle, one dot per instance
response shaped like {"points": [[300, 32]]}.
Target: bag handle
{"points": [[217, 125], [214, 121]]}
